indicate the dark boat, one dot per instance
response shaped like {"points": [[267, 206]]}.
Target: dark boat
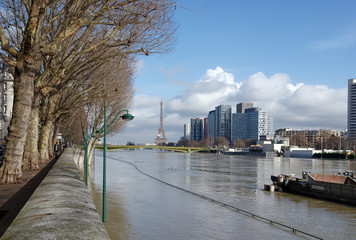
{"points": [[340, 187]]}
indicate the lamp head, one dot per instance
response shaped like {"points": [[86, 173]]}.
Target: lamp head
{"points": [[127, 117]]}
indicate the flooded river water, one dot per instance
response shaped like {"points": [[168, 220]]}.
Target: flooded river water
{"points": [[144, 200]]}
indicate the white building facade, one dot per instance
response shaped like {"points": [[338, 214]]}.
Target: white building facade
{"points": [[6, 99], [187, 131]]}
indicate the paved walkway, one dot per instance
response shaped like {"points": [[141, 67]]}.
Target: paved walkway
{"points": [[14, 196]]}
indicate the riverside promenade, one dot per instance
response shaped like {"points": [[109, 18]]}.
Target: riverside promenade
{"points": [[59, 208]]}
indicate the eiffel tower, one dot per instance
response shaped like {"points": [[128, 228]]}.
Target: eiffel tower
{"points": [[161, 137]]}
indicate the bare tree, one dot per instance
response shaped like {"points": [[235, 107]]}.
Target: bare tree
{"points": [[32, 33], [300, 140], [207, 142], [73, 125], [222, 142], [194, 143], [30, 158], [239, 143], [116, 96], [184, 143]]}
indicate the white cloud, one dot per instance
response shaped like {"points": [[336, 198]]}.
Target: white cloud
{"points": [[292, 105], [214, 88]]}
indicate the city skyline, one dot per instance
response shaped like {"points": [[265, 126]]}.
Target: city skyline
{"points": [[291, 59]]}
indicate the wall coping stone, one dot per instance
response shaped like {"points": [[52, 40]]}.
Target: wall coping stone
{"points": [[60, 208]]}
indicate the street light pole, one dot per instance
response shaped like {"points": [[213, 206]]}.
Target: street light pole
{"points": [[127, 117], [104, 168], [86, 160], [86, 155]]}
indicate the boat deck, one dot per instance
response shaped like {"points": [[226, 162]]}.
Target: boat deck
{"points": [[333, 179]]}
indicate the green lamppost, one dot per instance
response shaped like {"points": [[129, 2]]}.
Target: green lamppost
{"points": [[87, 138], [126, 117]]}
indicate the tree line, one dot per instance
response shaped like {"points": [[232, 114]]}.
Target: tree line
{"points": [[69, 59], [221, 143], [325, 142]]}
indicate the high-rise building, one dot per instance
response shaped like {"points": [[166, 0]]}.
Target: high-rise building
{"points": [[240, 107], [205, 128], [6, 99], [239, 126], [187, 131], [253, 124], [260, 122], [223, 122], [196, 129], [211, 125], [351, 109]]}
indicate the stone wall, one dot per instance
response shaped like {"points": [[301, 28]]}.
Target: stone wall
{"points": [[60, 208]]}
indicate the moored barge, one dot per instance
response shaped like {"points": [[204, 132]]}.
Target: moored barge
{"points": [[340, 187]]}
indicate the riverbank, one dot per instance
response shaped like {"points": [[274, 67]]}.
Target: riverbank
{"points": [[60, 207]]}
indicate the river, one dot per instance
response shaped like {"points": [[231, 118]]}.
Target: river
{"points": [[145, 199]]}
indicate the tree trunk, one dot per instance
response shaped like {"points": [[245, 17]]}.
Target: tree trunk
{"points": [[54, 136], [46, 129], [28, 64], [43, 141], [50, 149], [91, 146], [30, 159], [10, 172]]}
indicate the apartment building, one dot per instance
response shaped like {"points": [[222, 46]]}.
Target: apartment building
{"points": [[6, 99], [310, 136], [196, 129], [351, 108]]}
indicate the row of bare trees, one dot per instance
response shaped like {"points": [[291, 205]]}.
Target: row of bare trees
{"points": [[322, 142], [68, 59], [205, 143], [221, 143]]}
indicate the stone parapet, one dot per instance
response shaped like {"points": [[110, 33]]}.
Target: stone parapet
{"points": [[60, 208]]}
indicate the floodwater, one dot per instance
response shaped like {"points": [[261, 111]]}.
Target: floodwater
{"points": [[143, 201]]}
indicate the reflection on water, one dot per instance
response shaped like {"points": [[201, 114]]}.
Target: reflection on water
{"points": [[139, 207], [116, 219]]}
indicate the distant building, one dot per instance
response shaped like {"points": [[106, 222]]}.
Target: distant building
{"points": [[186, 131], [300, 152], [310, 135], [223, 122], [161, 136], [251, 123], [196, 129], [205, 128], [240, 126], [211, 125], [351, 108], [240, 107], [248, 122], [6, 99]]}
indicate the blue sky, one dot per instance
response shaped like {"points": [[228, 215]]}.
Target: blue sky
{"points": [[291, 58]]}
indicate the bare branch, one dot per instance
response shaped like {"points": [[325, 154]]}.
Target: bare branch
{"points": [[5, 46]]}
